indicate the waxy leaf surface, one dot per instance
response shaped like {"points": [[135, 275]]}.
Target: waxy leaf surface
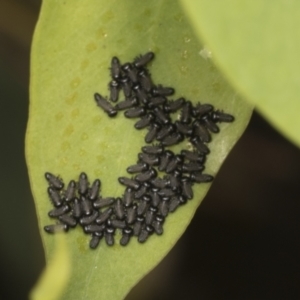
{"points": [[67, 133], [56, 275]]}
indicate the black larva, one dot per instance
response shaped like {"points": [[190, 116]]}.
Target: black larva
{"points": [[115, 68], [154, 149], [186, 112], [175, 202], [141, 192], [119, 209], [83, 184], [55, 197], [193, 156], [104, 216], [105, 105], [143, 206], [146, 176], [155, 198], [157, 224], [163, 179], [200, 110], [86, 205], [173, 106], [156, 101], [210, 125], [114, 90], [165, 131], [151, 160], [219, 116], [126, 86], [141, 94], [126, 234], [151, 135], [137, 227], [159, 183], [94, 242], [192, 167], [86, 220], [131, 215], [128, 103], [129, 182], [56, 212], [71, 190], [184, 129], [142, 60], [94, 191], [163, 91], [109, 236], [131, 72], [103, 202], [201, 132], [201, 147], [199, 177], [118, 224], [165, 160], [145, 233], [54, 181], [174, 182], [161, 116], [128, 197], [175, 162], [145, 80], [144, 121], [166, 192], [164, 206], [187, 190], [140, 167], [150, 214], [77, 209], [135, 112], [93, 228], [68, 220], [172, 139]]}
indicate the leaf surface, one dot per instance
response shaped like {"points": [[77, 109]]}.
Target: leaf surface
{"points": [[257, 45], [54, 278], [67, 133]]}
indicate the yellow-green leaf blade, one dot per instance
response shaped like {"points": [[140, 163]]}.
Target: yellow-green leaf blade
{"points": [[256, 43], [68, 133], [55, 277]]}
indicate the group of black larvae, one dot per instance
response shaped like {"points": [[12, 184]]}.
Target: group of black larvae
{"points": [[147, 199]]}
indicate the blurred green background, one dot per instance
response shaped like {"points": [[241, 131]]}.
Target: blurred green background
{"points": [[243, 242]]}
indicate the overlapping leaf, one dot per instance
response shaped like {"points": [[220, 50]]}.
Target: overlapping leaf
{"points": [[256, 44]]}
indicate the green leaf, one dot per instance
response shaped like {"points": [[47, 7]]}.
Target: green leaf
{"points": [[54, 278], [257, 46], [67, 133]]}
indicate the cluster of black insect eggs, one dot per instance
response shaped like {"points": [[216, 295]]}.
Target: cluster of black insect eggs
{"points": [[148, 198]]}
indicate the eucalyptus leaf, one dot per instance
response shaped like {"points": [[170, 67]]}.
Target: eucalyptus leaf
{"points": [[67, 133], [257, 45], [55, 277]]}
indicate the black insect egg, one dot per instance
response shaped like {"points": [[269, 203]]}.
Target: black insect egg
{"points": [[161, 180]]}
